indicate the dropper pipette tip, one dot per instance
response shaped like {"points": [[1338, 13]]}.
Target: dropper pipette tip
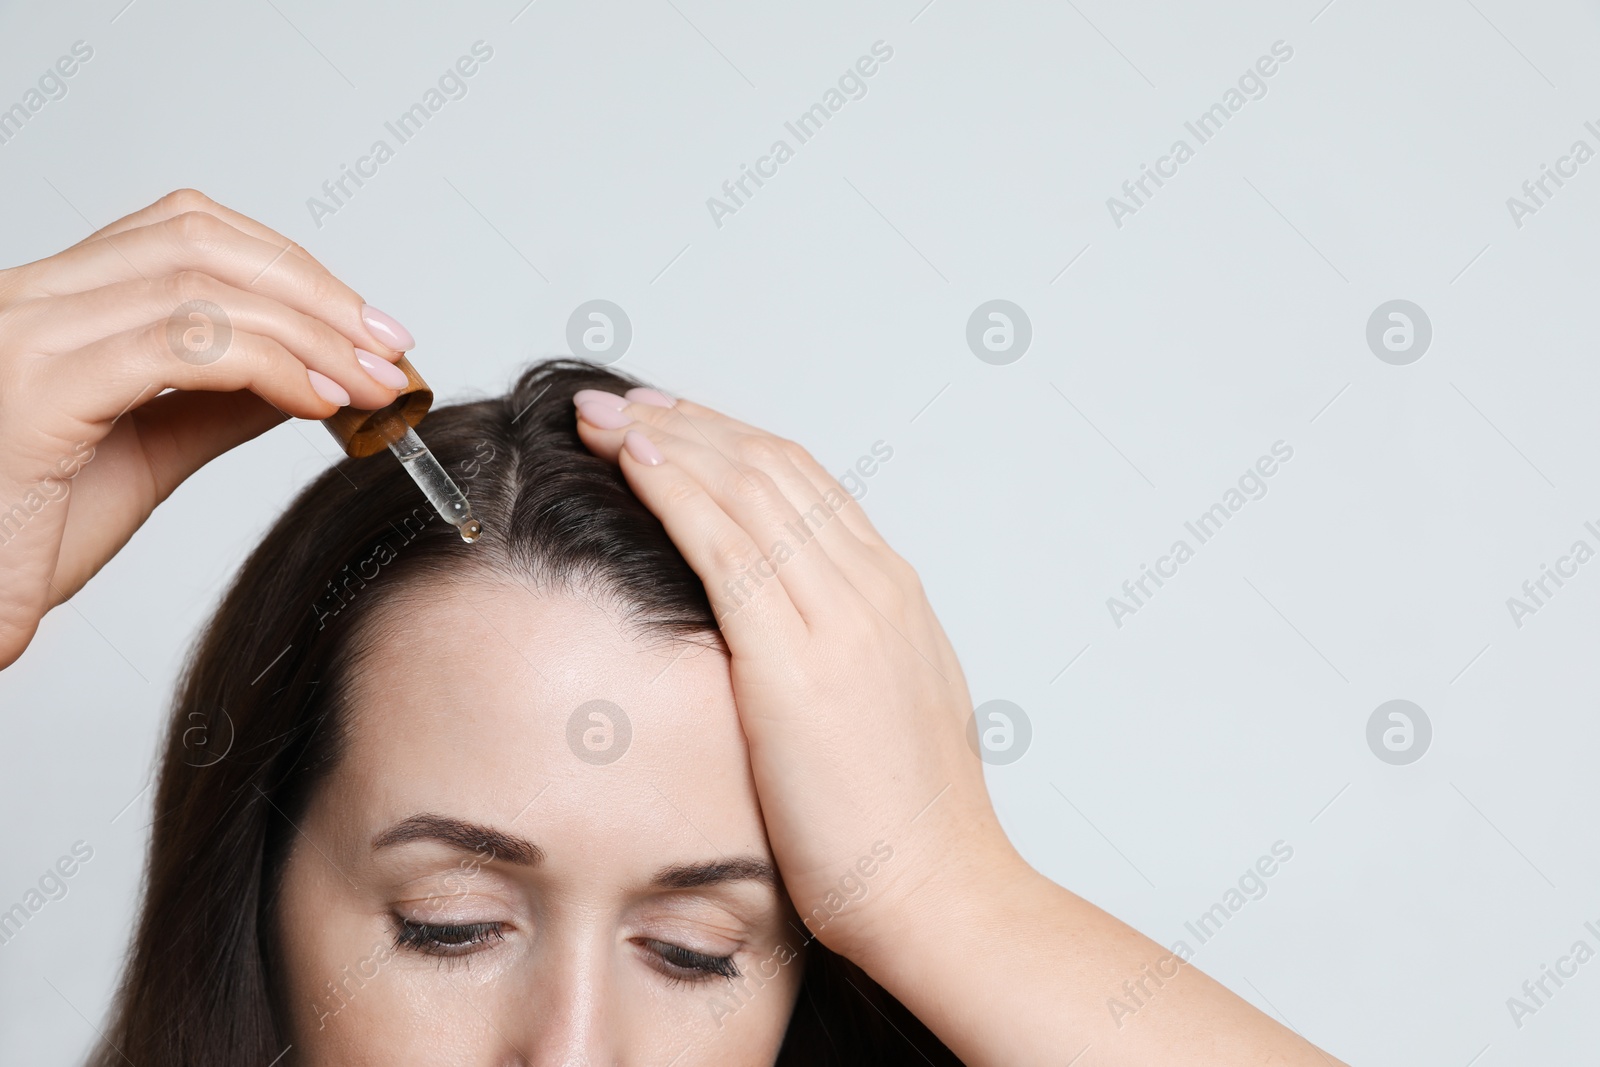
{"points": [[442, 492]]}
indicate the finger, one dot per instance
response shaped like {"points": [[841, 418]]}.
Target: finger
{"points": [[878, 575], [819, 511], [772, 545], [829, 488], [114, 374], [721, 427], [860, 558], [196, 240], [181, 200], [181, 432], [177, 434], [198, 333], [720, 551]]}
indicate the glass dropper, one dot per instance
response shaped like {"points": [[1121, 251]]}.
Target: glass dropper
{"points": [[445, 496]]}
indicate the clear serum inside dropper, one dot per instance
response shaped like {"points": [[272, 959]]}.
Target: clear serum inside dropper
{"points": [[445, 496]]}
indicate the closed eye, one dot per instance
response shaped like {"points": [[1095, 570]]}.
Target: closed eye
{"points": [[681, 964], [444, 939]]}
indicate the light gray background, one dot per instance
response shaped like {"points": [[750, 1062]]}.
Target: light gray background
{"points": [[1229, 313]]}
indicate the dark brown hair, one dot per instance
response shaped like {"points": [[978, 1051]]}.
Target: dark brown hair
{"points": [[257, 718]]}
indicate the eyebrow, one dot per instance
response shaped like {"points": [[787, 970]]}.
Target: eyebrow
{"points": [[466, 836], [475, 837], [716, 872]]}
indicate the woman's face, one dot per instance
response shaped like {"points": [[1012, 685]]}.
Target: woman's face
{"points": [[498, 872]]}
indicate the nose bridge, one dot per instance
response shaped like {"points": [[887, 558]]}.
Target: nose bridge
{"points": [[559, 1012]]}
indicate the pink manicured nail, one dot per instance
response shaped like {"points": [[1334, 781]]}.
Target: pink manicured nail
{"points": [[645, 395], [603, 417], [642, 448], [383, 372], [387, 329], [328, 389], [599, 396]]}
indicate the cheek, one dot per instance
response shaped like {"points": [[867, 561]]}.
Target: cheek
{"points": [[395, 1020]]}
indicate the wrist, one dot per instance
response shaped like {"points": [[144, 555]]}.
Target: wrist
{"points": [[941, 889]]}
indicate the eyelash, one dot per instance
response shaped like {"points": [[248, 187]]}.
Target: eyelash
{"points": [[442, 940], [680, 964], [677, 963]]}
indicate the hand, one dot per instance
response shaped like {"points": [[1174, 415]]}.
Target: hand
{"points": [[857, 713], [90, 336], [851, 698]]}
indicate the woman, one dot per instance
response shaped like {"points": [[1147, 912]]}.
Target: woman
{"points": [[671, 766]]}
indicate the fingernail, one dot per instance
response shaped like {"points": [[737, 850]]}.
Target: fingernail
{"points": [[327, 388], [642, 448], [599, 396], [387, 329], [645, 395], [383, 372], [603, 417]]}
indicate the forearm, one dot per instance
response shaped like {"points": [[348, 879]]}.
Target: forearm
{"points": [[1008, 968]]}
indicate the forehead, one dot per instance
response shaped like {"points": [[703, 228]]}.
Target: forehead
{"points": [[541, 714]]}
